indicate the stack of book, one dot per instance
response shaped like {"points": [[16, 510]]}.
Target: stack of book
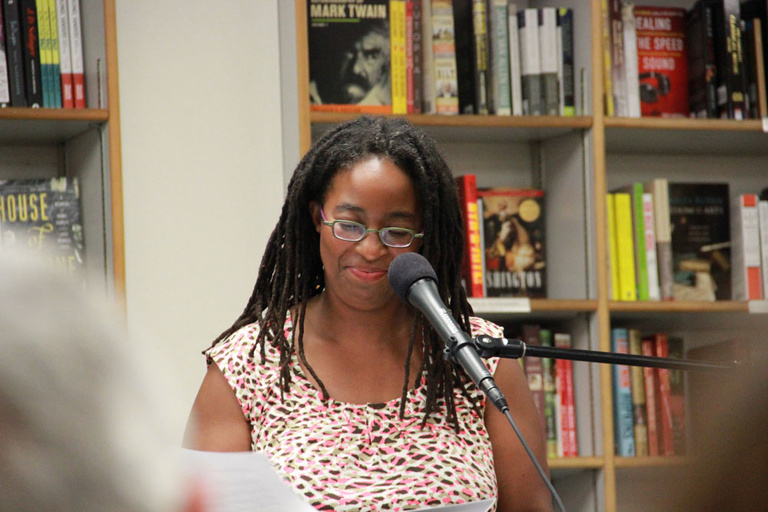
{"points": [[707, 61], [441, 57], [41, 54]]}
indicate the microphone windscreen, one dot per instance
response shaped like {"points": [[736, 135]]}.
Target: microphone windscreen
{"points": [[406, 269]]}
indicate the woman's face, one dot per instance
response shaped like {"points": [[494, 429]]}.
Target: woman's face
{"points": [[377, 194]]}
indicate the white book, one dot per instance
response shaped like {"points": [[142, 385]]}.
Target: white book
{"points": [[501, 96], [530, 65], [651, 264], [515, 78], [631, 78], [549, 56], [659, 188], [745, 249], [762, 213]]}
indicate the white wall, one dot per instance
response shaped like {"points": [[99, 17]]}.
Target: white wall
{"points": [[202, 168]]}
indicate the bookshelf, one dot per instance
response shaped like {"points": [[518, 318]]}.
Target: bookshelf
{"points": [[46, 142], [577, 160]]}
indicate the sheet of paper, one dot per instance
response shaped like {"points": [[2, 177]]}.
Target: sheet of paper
{"points": [[475, 506], [243, 482]]}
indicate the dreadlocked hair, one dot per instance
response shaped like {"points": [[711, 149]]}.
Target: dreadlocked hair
{"points": [[291, 270]]}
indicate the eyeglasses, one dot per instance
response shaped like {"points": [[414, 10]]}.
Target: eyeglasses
{"points": [[350, 231]]}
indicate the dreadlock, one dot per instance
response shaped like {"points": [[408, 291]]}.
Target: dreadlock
{"points": [[291, 270]]}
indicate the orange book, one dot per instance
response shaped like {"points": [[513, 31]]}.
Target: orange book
{"points": [[472, 265]]}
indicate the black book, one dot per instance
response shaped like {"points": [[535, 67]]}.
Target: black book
{"points": [[13, 52], [33, 79], [751, 9], [465, 55], [702, 70]]}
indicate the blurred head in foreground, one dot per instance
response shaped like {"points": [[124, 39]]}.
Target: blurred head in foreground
{"points": [[80, 427]]}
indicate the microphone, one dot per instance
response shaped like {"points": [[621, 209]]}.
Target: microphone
{"points": [[414, 280]]}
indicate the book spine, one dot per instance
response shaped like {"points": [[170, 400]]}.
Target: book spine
{"points": [[444, 59], [631, 78], [32, 72], [46, 61], [566, 76], [613, 248], [639, 403], [65, 55], [745, 249], [409, 85], [760, 69], [480, 46], [638, 226], [607, 66], [625, 246], [515, 77], [473, 250], [548, 370], [76, 50], [650, 246], [14, 44], [677, 397], [659, 189], [534, 371], [530, 70], [618, 64], [398, 56], [55, 57], [417, 19], [564, 378], [651, 399], [666, 438], [548, 58], [427, 59], [5, 86], [762, 211], [622, 397], [502, 95]]}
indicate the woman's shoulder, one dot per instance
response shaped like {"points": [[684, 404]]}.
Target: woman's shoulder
{"points": [[241, 345]]}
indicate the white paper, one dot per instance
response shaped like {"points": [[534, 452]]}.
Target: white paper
{"points": [[475, 506], [243, 482]]}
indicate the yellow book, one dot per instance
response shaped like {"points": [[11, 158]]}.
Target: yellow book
{"points": [[44, 34], [398, 56], [625, 246], [613, 260], [53, 22], [637, 385]]}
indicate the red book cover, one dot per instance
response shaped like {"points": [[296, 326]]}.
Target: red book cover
{"points": [[472, 265], [651, 399], [662, 61], [564, 377], [666, 429]]}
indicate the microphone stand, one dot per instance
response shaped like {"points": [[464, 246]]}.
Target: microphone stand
{"points": [[487, 346]]}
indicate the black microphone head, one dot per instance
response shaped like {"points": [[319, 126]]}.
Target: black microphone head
{"points": [[406, 269]]}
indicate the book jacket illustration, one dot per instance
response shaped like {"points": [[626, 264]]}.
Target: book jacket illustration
{"points": [[513, 242], [701, 240], [349, 56], [42, 217]]}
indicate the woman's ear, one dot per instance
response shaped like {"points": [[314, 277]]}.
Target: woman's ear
{"points": [[314, 212]]}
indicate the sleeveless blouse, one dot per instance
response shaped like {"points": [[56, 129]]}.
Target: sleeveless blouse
{"points": [[359, 457]]}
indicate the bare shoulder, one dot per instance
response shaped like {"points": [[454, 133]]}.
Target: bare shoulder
{"points": [[216, 422]]}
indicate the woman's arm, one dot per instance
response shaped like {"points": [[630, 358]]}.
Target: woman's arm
{"points": [[216, 423], [520, 486]]}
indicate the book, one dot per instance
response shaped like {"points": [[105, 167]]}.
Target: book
{"points": [[548, 59], [5, 86], [757, 11], [427, 59], [31, 53], [417, 55], [702, 66], [41, 218], [625, 246], [398, 56], [677, 396], [607, 65], [649, 235], [635, 192], [658, 188], [444, 58], [664, 419], [758, 68], [618, 65], [482, 63], [631, 74], [652, 408], [564, 385], [472, 264], [624, 430], [530, 65], [14, 42], [349, 56], [639, 403], [746, 280], [514, 242], [566, 74], [501, 94], [408, 45], [662, 61], [464, 36], [46, 59], [700, 238], [613, 254], [515, 76], [53, 20], [548, 371], [762, 213], [534, 370], [76, 52], [65, 55]]}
